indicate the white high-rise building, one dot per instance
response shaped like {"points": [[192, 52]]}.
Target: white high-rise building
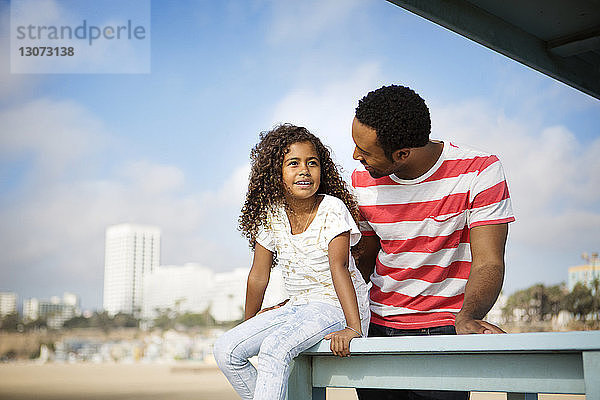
{"points": [[8, 303], [132, 252]]}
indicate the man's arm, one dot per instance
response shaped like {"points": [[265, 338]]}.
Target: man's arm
{"points": [[485, 279], [365, 262]]}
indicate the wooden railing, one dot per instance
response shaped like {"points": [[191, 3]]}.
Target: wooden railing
{"points": [[521, 364]]}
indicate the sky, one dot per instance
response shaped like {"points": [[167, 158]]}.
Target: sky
{"points": [[170, 148]]}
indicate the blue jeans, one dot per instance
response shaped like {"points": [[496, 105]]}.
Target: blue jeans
{"points": [[277, 337], [398, 394]]}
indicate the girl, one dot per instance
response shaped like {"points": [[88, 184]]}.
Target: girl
{"points": [[296, 216]]}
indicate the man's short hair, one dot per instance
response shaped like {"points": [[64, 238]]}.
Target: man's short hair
{"points": [[399, 116]]}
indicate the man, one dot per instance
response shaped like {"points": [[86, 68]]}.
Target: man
{"points": [[435, 224]]}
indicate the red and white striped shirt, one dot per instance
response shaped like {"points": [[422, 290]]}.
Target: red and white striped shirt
{"points": [[423, 224]]}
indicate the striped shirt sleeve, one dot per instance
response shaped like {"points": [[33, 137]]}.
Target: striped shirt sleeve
{"points": [[489, 198], [363, 225]]}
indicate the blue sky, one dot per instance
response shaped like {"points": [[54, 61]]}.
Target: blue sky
{"points": [[79, 152]]}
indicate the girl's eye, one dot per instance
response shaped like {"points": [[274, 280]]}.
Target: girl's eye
{"points": [[313, 163]]}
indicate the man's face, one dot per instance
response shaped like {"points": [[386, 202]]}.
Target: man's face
{"points": [[368, 152]]}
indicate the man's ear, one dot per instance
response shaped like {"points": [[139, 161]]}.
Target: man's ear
{"points": [[400, 154]]}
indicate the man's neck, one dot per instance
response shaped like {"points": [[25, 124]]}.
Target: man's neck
{"points": [[422, 160]]}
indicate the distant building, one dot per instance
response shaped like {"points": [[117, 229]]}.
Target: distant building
{"points": [[583, 274], [229, 294], [8, 303], [55, 311], [184, 288], [195, 289], [31, 309], [131, 253], [71, 299]]}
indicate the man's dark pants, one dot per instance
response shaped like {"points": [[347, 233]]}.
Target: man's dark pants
{"points": [[394, 394]]}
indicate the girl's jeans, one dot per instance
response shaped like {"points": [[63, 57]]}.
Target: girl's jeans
{"points": [[276, 336]]}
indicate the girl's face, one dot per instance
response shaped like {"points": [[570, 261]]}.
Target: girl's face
{"points": [[301, 170]]}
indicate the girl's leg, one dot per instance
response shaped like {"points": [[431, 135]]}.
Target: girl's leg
{"points": [[307, 325], [233, 349]]}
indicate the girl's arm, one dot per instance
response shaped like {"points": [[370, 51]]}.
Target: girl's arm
{"points": [[338, 264], [258, 279]]}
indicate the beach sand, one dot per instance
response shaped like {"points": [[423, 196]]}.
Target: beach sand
{"points": [[140, 382]]}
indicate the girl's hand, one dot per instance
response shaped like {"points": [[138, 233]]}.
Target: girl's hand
{"points": [[340, 341]]}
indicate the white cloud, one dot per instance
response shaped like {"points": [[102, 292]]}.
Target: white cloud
{"points": [[553, 177], [151, 179], [307, 20], [57, 132], [328, 110], [233, 190], [52, 233]]}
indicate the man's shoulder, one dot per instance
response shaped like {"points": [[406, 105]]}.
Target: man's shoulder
{"points": [[464, 151], [462, 159]]}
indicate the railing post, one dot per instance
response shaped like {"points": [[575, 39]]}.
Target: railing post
{"points": [[300, 380], [319, 393], [521, 396], [591, 374]]}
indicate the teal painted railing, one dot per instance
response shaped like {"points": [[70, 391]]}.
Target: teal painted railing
{"points": [[522, 365]]}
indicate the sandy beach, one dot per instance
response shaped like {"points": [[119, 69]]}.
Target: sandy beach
{"points": [[140, 382], [121, 382]]}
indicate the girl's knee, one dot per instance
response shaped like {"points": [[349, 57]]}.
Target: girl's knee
{"points": [[227, 351], [221, 351]]}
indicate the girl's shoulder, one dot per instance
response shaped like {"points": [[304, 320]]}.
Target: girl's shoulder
{"points": [[333, 203]]}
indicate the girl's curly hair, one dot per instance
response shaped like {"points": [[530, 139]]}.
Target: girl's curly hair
{"points": [[266, 189]]}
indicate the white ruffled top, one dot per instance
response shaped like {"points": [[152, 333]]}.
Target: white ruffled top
{"points": [[303, 258]]}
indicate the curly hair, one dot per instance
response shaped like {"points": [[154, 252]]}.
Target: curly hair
{"points": [[266, 189], [399, 116]]}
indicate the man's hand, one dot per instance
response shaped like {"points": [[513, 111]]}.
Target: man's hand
{"points": [[340, 341], [465, 326], [273, 307]]}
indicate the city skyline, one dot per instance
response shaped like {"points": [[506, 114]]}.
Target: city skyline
{"points": [[273, 295], [80, 152]]}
